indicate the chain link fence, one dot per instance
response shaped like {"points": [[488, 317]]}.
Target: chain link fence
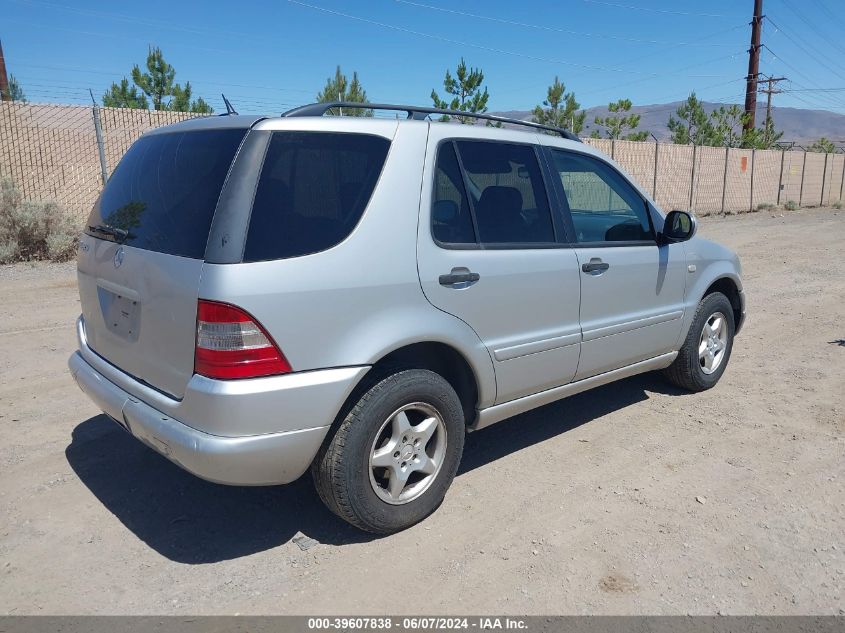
{"points": [[54, 152]]}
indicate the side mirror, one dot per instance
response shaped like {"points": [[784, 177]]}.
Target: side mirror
{"points": [[679, 226]]}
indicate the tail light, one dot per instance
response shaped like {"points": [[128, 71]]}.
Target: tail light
{"points": [[231, 344]]}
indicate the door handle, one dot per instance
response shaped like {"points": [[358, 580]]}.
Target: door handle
{"points": [[459, 276], [595, 265]]}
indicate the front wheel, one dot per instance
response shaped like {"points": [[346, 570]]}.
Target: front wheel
{"points": [[705, 353], [391, 460]]}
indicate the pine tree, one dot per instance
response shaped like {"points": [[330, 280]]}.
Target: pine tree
{"points": [[726, 128], [615, 126], [467, 95], [823, 145], [561, 109], [15, 93], [339, 88], [158, 84], [692, 125], [181, 101], [123, 95]]}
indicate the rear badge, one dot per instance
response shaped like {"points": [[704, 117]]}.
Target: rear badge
{"points": [[118, 257]]}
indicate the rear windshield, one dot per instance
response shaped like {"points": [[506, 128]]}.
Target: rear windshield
{"points": [[313, 189], [165, 189]]}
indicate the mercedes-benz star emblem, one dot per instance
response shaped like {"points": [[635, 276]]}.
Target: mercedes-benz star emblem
{"points": [[118, 257]]}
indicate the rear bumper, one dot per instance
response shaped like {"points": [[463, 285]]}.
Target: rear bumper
{"points": [[256, 432]]}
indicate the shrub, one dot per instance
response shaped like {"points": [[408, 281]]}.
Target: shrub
{"points": [[838, 204], [33, 230], [765, 206], [791, 205]]}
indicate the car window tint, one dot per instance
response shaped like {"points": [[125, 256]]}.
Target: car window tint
{"points": [[451, 219], [603, 205], [313, 189], [507, 191], [164, 190]]}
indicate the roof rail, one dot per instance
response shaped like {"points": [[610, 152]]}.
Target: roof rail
{"points": [[420, 113]]}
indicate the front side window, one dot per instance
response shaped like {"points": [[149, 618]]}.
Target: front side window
{"points": [[507, 193], [313, 189], [604, 207]]}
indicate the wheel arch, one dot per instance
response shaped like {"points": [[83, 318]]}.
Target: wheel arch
{"points": [[439, 357], [728, 287]]}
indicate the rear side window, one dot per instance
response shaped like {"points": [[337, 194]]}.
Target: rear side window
{"points": [[313, 189], [165, 189], [507, 193], [451, 218]]}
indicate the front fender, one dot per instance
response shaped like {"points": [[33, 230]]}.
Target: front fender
{"points": [[712, 262]]}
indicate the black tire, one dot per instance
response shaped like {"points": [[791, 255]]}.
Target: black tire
{"points": [[341, 469], [686, 371]]}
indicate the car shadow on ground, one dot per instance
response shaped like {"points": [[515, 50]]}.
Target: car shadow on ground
{"points": [[192, 521]]}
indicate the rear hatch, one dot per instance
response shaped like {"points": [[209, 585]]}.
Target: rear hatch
{"points": [[142, 253]]}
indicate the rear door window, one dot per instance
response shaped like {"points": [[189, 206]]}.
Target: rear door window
{"points": [[508, 195], [313, 189], [164, 191]]}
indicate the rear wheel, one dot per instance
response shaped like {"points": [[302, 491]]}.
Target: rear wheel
{"points": [[392, 458], [705, 353]]}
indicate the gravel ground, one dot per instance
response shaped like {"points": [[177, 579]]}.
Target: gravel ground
{"points": [[631, 499]]}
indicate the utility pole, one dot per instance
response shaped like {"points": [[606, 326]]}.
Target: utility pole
{"points": [[753, 66], [5, 95], [771, 90]]}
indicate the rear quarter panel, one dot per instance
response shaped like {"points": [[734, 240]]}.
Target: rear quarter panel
{"points": [[354, 303]]}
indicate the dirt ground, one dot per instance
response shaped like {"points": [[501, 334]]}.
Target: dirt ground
{"points": [[588, 505]]}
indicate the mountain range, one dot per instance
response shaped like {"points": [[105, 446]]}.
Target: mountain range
{"points": [[798, 125]]}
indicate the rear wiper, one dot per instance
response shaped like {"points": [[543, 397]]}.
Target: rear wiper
{"points": [[119, 235]]}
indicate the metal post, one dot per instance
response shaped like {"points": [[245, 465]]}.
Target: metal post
{"points": [[101, 148], [725, 178], [824, 177], [780, 178], [692, 176], [842, 184], [803, 169], [654, 185], [751, 204]]}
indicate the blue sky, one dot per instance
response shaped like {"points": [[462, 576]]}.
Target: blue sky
{"points": [[270, 55]]}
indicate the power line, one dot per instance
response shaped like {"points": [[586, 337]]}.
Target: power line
{"points": [[651, 10], [109, 35], [813, 56], [831, 14], [552, 28], [473, 45], [812, 89], [812, 28], [678, 71], [793, 68], [132, 19]]}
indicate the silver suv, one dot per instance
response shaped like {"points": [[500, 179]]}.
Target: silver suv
{"points": [[261, 296]]}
